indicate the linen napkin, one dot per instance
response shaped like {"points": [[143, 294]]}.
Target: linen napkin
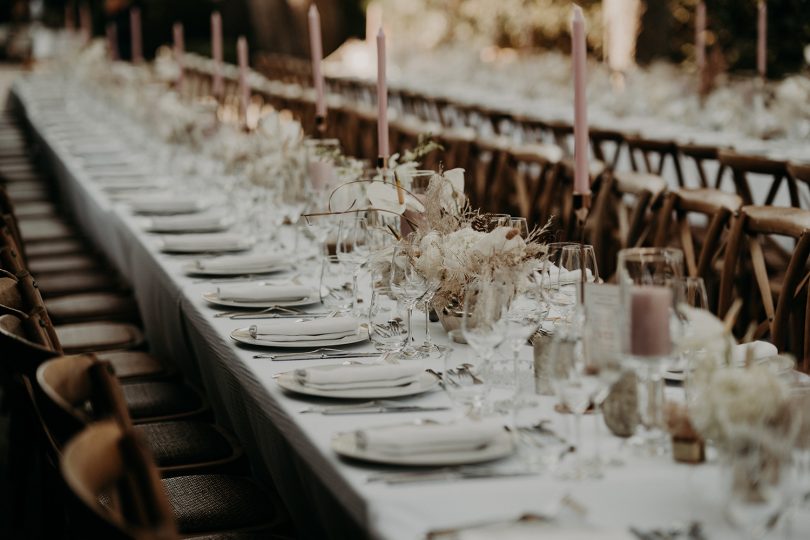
{"points": [[168, 204], [313, 330], [252, 262], [199, 222], [259, 292], [203, 242], [410, 439], [358, 376], [761, 349]]}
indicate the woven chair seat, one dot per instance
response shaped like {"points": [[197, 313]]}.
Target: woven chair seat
{"points": [[214, 502], [44, 229], [160, 399], [75, 282], [130, 364], [98, 336], [62, 263], [34, 210], [55, 248], [92, 306], [185, 442]]}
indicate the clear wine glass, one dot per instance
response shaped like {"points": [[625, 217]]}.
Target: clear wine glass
{"points": [[337, 289], [521, 224], [409, 286], [352, 246], [466, 377], [387, 327], [484, 318], [558, 283]]}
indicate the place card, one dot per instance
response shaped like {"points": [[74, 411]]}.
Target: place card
{"points": [[603, 305]]}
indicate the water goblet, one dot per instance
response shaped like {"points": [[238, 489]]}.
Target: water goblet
{"points": [[409, 286], [466, 377], [337, 290]]}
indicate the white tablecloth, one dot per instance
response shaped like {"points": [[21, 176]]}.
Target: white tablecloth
{"points": [[327, 496]]}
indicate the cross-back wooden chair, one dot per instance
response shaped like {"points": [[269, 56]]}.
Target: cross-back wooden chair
{"points": [[116, 490], [654, 154], [528, 183], [457, 144], [743, 166], [700, 154], [800, 172], [488, 159], [607, 145], [782, 298], [702, 246]]}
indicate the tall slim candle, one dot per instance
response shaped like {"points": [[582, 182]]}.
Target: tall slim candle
{"points": [[762, 38], [86, 21], [179, 52], [70, 23], [382, 99], [136, 35], [244, 87], [316, 50], [216, 53], [700, 36], [112, 41], [578, 53]]}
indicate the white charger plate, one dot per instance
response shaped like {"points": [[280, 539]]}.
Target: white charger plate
{"points": [[193, 270], [239, 335], [424, 383], [344, 444], [213, 297]]}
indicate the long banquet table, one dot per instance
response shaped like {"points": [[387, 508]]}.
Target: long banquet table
{"points": [[328, 496]]}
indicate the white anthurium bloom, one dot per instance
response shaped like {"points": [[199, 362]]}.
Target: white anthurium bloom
{"points": [[383, 196], [456, 179]]}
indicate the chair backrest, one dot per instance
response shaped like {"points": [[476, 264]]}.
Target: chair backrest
{"points": [[700, 154], [743, 166], [116, 487], [528, 183], [787, 322], [658, 149], [24, 341]]}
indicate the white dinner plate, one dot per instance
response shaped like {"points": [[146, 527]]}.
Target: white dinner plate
{"points": [[193, 270], [242, 245], [213, 297], [160, 206], [424, 383], [239, 335], [208, 226], [501, 446]]}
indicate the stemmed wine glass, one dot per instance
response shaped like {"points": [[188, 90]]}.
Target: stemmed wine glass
{"points": [[386, 324], [562, 276], [352, 246], [408, 286]]}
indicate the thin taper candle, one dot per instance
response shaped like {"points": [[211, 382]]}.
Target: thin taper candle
{"points": [[70, 23], [179, 52], [86, 21], [578, 53], [216, 53], [244, 87], [112, 41], [136, 35], [316, 49], [762, 38], [382, 100], [700, 36]]}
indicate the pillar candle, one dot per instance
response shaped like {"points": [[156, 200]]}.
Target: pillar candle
{"points": [[244, 87], [700, 36], [316, 50], [179, 52], [762, 38], [578, 53], [136, 35], [216, 53], [382, 98], [112, 41], [649, 321]]}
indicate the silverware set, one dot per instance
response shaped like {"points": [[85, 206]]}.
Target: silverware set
{"points": [[689, 531], [448, 474], [371, 407], [317, 354]]}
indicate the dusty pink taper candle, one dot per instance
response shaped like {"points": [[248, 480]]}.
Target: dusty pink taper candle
{"points": [[136, 35], [112, 41], [316, 50], [582, 183], [244, 87], [216, 53], [70, 23], [762, 38], [649, 321], [382, 99], [86, 21], [179, 52], [700, 36]]}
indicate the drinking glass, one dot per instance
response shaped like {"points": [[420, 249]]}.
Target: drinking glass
{"points": [[337, 290], [521, 224], [559, 284], [352, 246], [408, 286], [387, 327], [525, 313], [466, 377], [647, 288], [579, 258], [484, 319]]}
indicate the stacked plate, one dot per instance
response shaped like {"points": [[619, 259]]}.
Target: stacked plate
{"points": [[166, 203], [188, 223], [263, 294], [206, 243], [359, 381], [236, 265], [323, 332]]}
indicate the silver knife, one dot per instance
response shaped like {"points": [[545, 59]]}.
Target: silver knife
{"points": [[382, 409]]}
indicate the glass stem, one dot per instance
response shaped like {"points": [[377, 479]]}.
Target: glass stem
{"points": [[578, 439], [427, 323], [409, 345]]}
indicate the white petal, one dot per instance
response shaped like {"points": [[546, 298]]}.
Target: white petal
{"points": [[456, 179], [383, 196]]}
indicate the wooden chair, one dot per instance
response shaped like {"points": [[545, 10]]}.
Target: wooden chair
{"points": [[700, 154], [786, 320], [702, 246], [654, 154], [488, 158], [601, 141], [800, 172], [115, 487], [528, 182], [743, 166]]}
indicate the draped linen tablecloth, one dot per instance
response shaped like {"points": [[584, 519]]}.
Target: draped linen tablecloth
{"points": [[327, 496]]}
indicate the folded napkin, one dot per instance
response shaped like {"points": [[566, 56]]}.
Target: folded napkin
{"points": [[411, 439], [203, 242], [252, 262], [327, 329], [259, 292], [167, 204], [760, 350], [358, 376], [187, 222], [567, 277]]}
